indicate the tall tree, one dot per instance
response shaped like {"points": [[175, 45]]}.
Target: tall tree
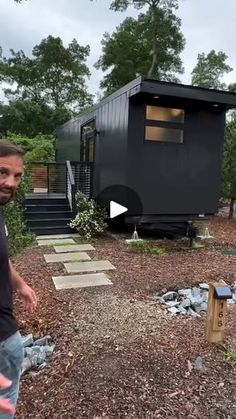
{"points": [[54, 74], [126, 53], [154, 7], [210, 70]]}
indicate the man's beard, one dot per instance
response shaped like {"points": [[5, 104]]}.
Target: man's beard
{"points": [[6, 195]]}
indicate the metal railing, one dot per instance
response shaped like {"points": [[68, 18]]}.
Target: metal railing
{"points": [[70, 186], [61, 178], [47, 177]]}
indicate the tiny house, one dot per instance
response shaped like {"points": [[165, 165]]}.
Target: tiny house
{"points": [[155, 147]]}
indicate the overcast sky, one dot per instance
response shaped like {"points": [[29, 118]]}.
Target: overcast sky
{"points": [[206, 25]]}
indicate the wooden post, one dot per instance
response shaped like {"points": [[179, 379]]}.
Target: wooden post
{"points": [[216, 315]]}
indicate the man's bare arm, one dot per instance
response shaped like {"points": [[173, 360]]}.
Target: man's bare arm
{"points": [[26, 293]]}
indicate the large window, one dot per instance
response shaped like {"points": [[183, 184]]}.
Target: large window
{"points": [[164, 124]]}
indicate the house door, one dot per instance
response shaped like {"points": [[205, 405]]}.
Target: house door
{"points": [[87, 144], [87, 150]]}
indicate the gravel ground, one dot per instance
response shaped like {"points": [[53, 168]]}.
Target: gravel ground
{"points": [[117, 354]]}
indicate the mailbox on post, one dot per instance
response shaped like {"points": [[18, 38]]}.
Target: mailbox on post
{"points": [[219, 293]]}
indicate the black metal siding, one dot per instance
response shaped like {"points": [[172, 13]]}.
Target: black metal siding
{"points": [[177, 178], [110, 165]]}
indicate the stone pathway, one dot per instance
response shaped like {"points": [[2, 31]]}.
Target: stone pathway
{"points": [[66, 257], [67, 250], [80, 281], [73, 248], [93, 266]]}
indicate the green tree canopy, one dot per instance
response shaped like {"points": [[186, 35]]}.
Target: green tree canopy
{"points": [[126, 53], [155, 11], [210, 70], [30, 118], [54, 74]]}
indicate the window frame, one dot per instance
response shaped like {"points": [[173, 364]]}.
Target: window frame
{"points": [[163, 124]]}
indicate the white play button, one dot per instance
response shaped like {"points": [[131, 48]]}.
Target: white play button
{"points": [[116, 209]]}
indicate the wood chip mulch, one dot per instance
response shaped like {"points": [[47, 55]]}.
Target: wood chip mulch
{"points": [[119, 355]]}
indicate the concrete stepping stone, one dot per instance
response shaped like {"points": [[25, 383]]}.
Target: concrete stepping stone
{"points": [[73, 248], [229, 252], [66, 257], [58, 236], [49, 242], [80, 281], [93, 266]]}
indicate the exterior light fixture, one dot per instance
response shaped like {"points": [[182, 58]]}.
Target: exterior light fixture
{"points": [[156, 97], [215, 105]]}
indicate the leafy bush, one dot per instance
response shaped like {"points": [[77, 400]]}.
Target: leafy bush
{"points": [[90, 218], [145, 247], [39, 148], [19, 237]]}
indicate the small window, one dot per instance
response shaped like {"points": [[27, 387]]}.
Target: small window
{"points": [[157, 113], [168, 135], [164, 124]]}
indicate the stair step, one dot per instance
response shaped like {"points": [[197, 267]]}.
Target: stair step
{"points": [[48, 222], [46, 208], [40, 231], [45, 215], [45, 201]]}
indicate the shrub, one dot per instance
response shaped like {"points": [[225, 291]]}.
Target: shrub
{"points": [[19, 236], [90, 218], [145, 247]]}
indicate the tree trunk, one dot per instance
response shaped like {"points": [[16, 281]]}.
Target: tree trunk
{"points": [[231, 207], [152, 72]]}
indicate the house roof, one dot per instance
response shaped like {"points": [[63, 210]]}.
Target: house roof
{"points": [[142, 86], [182, 91]]}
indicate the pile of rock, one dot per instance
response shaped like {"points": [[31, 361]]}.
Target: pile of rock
{"points": [[35, 352], [189, 301]]}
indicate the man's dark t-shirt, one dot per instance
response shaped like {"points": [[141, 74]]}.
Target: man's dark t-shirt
{"points": [[8, 324]]}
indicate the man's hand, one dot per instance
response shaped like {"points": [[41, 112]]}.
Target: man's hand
{"points": [[5, 404], [28, 297]]}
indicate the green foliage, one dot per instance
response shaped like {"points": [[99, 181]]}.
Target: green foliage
{"points": [[145, 247], [228, 186], [90, 218], [53, 74], [19, 236], [128, 51], [28, 117], [210, 69], [40, 148]]}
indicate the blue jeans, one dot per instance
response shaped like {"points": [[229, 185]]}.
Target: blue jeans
{"points": [[11, 357]]}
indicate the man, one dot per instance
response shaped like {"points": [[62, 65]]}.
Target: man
{"points": [[11, 349]]}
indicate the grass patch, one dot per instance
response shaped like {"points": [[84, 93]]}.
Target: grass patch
{"points": [[145, 247]]}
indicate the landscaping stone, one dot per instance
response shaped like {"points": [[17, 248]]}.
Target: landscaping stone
{"points": [[185, 292], [80, 281], [93, 266], [73, 248], [66, 257], [185, 303], [199, 363], [173, 310], [172, 303], [193, 313], [49, 242], [171, 295], [27, 340], [35, 352], [182, 310], [204, 286]]}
